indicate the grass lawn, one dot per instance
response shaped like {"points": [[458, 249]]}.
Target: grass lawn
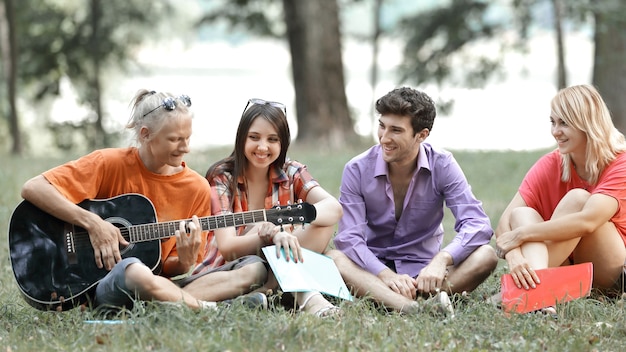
{"points": [[593, 324]]}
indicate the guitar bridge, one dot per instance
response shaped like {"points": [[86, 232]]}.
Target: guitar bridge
{"points": [[70, 246]]}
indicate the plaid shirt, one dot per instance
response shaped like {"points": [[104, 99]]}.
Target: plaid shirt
{"points": [[287, 185]]}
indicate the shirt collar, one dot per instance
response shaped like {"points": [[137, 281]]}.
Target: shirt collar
{"points": [[381, 167], [422, 158], [278, 175]]}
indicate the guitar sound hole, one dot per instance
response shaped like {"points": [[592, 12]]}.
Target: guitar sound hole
{"points": [[123, 225], [125, 249]]}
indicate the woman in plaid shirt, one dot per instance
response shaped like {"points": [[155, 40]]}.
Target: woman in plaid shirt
{"points": [[258, 175]]}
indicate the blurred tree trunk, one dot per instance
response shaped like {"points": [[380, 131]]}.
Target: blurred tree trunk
{"points": [[99, 138], [609, 69], [378, 6], [8, 48], [321, 103], [560, 47]]}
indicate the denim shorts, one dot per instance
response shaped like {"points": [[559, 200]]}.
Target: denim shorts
{"points": [[112, 290]]}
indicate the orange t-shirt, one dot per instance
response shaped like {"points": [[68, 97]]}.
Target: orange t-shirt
{"points": [[542, 188], [112, 172]]}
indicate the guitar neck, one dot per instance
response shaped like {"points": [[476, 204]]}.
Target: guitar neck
{"points": [[161, 230]]}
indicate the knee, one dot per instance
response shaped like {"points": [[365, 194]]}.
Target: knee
{"points": [[577, 194], [575, 199], [137, 271], [138, 277], [487, 260], [522, 215]]}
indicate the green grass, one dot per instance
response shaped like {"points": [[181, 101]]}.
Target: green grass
{"points": [[585, 325]]}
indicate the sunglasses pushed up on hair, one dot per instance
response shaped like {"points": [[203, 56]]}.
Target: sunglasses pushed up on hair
{"points": [[169, 103], [257, 101]]}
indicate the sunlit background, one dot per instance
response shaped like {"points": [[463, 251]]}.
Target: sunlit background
{"points": [[220, 71]]}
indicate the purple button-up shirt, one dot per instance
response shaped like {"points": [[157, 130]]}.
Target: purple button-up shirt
{"points": [[369, 233]]}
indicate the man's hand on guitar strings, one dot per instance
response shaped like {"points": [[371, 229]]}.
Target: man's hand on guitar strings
{"points": [[106, 241], [188, 242]]}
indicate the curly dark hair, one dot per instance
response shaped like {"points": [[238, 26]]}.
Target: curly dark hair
{"points": [[409, 102]]}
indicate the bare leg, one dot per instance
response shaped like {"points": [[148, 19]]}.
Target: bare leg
{"points": [[315, 238], [473, 270], [222, 285], [140, 279], [535, 252], [364, 283], [270, 285], [546, 254], [604, 247]]}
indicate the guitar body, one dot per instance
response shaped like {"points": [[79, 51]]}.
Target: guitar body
{"points": [[53, 261]]}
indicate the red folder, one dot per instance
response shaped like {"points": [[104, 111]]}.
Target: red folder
{"points": [[558, 285]]}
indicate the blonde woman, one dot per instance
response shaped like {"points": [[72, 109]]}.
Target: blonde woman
{"points": [[571, 205]]}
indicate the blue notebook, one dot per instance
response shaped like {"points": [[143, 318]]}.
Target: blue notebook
{"points": [[316, 273]]}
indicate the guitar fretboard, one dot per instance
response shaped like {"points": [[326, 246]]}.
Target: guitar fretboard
{"points": [[149, 232]]}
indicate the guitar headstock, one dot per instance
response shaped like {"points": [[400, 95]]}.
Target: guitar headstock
{"points": [[299, 213]]}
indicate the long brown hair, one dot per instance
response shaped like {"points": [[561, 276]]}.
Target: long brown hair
{"points": [[236, 162]]}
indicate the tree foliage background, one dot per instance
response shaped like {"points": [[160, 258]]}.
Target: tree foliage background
{"points": [[80, 41], [44, 42]]}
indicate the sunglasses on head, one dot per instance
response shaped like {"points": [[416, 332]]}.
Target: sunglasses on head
{"points": [[265, 102], [169, 103]]}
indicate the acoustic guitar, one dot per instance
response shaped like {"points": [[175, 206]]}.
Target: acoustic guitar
{"points": [[53, 261]]}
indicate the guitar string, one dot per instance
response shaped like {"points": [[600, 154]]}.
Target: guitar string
{"points": [[153, 231]]}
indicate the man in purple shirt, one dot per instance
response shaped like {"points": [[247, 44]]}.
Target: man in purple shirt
{"points": [[389, 238]]}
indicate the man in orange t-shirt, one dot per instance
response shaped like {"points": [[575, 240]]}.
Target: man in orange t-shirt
{"points": [[161, 123]]}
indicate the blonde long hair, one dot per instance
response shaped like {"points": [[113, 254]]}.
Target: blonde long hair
{"points": [[583, 108]]}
